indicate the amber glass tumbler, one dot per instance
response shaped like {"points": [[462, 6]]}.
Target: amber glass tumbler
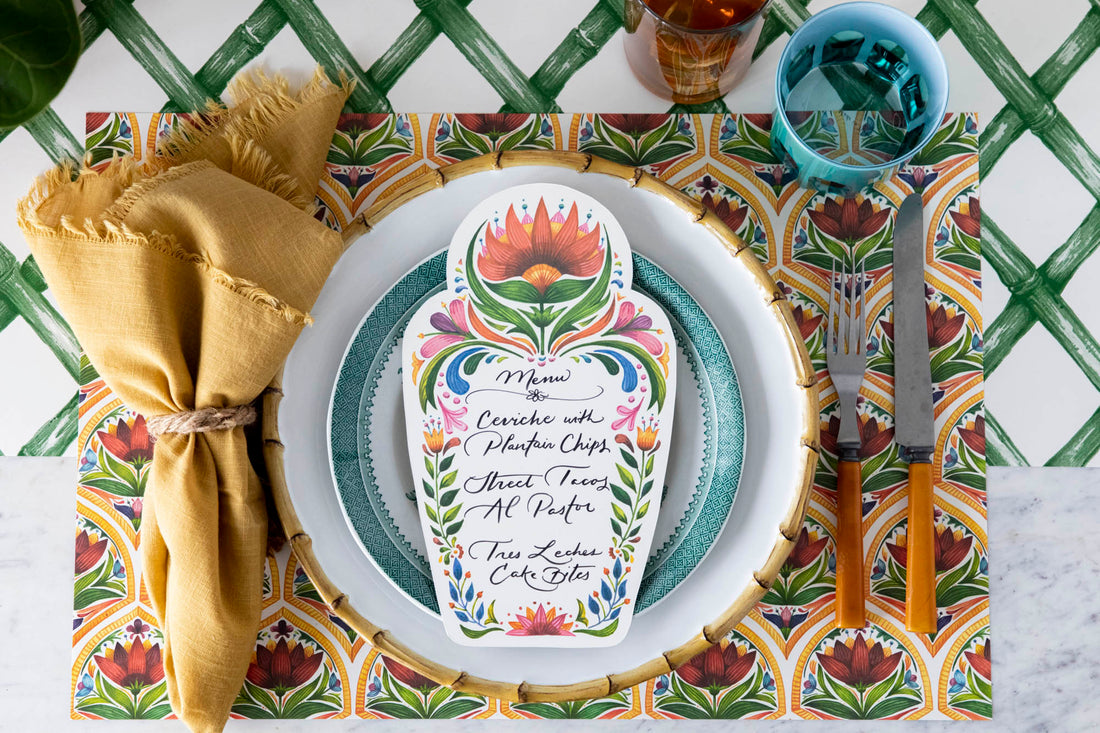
{"points": [[691, 51]]}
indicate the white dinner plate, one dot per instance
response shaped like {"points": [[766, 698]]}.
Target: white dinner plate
{"points": [[738, 299]]}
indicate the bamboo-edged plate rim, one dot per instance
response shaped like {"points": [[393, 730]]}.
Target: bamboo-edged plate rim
{"points": [[805, 380]]}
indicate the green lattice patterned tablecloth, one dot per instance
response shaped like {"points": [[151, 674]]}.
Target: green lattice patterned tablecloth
{"points": [[1043, 315]]}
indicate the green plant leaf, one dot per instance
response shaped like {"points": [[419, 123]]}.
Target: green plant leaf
{"points": [[593, 301], [582, 617], [606, 631], [620, 494], [39, 45], [518, 290], [629, 458], [107, 712], [477, 633], [456, 708], [565, 290], [162, 711], [626, 477], [393, 709]]}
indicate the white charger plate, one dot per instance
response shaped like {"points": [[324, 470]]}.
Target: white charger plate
{"points": [[777, 386]]}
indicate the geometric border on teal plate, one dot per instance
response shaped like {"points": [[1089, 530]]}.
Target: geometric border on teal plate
{"points": [[361, 368]]}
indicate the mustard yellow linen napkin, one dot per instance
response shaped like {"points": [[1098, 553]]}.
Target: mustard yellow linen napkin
{"points": [[187, 280]]}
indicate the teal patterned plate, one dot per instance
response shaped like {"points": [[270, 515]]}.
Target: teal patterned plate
{"points": [[369, 461]]}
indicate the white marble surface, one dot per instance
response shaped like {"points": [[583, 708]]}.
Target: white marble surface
{"points": [[1045, 584]]}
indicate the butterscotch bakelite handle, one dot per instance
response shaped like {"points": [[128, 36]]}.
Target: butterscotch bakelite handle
{"points": [[920, 582], [849, 547]]}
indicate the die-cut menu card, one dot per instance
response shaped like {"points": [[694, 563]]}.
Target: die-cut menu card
{"points": [[539, 392]]}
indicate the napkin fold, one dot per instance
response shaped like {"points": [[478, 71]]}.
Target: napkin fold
{"points": [[210, 259]]}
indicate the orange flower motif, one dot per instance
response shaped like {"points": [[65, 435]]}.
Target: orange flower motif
{"points": [[635, 125], [540, 623], [873, 437], [850, 220], [857, 663], [647, 435], [806, 549], [806, 325], [969, 217], [408, 677], [280, 667], [128, 440], [723, 665], [434, 440], [943, 326], [492, 125], [540, 252], [88, 553], [982, 661], [733, 218], [434, 436], [133, 666], [974, 435], [950, 549]]}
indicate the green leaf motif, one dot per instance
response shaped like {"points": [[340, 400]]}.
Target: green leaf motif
{"points": [[477, 633], [520, 291], [606, 631], [39, 45]]}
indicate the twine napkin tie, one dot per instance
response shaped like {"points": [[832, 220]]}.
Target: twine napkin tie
{"points": [[201, 421]]}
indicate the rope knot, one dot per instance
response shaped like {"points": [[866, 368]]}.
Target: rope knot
{"points": [[205, 420]]}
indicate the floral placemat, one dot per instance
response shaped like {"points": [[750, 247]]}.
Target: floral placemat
{"points": [[786, 660]]}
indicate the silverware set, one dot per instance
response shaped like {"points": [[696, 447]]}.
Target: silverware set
{"points": [[846, 359]]}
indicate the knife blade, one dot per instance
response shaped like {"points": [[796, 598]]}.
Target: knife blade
{"points": [[913, 417]]}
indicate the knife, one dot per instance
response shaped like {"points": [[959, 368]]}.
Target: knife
{"points": [[913, 429]]}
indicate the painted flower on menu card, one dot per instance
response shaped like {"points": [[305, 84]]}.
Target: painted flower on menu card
{"points": [[981, 659], [408, 677], [974, 435], [950, 548], [632, 324], [283, 666], [88, 552], [647, 435], [723, 665], [132, 666], [857, 662], [129, 440], [969, 217], [540, 622], [542, 251], [849, 219], [451, 327]]}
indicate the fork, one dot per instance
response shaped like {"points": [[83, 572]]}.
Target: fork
{"points": [[846, 358]]}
